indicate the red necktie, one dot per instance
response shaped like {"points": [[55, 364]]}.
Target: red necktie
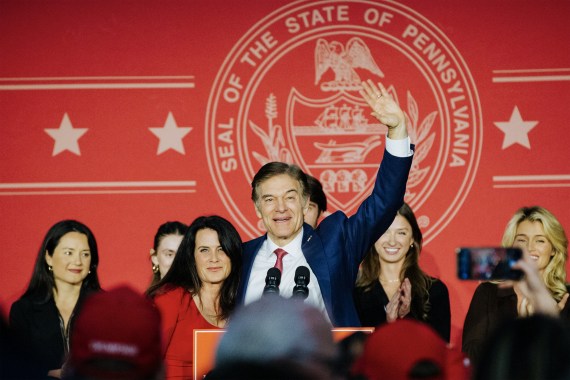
{"points": [[279, 262]]}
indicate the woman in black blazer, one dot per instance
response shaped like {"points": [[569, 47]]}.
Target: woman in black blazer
{"points": [[65, 272], [538, 232], [391, 284]]}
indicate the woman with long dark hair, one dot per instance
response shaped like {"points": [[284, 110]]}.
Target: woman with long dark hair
{"points": [[65, 272], [199, 290], [391, 284]]}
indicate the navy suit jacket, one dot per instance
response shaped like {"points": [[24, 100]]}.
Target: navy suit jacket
{"points": [[336, 247]]}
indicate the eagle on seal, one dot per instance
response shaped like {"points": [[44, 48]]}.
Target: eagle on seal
{"points": [[343, 61]]}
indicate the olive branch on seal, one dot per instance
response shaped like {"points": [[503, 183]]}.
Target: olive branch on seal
{"points": [[273, 139], [420, 135]]}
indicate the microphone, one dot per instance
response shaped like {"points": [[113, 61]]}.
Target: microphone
{"points": [[272, 281], [302, 279]]}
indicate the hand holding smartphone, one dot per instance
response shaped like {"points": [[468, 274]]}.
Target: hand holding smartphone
{"points": [[488, 263]]}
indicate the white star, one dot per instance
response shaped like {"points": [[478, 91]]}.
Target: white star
{"points": [[516, 130], [66, 137], [170, 135]]}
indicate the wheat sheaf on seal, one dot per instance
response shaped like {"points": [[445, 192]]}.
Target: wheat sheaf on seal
{"points": [[272, 140]]}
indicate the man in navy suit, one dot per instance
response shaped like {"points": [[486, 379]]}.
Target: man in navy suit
{"points": [[333, 251]]}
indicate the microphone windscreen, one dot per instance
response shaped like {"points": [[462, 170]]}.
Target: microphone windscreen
{"points": [[274, 272], [303, 271]]}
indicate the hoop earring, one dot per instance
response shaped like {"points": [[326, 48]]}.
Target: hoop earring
{"points": [[155, 268], [50, 268]]}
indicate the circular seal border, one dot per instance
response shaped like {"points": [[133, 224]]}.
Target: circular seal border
{"points": [[224, 74]]}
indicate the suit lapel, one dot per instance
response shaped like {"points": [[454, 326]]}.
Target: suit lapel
{"points": [[314, 253], [250, 250]]}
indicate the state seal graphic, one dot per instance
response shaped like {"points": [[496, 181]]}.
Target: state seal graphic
{"points": [[288, 91]]}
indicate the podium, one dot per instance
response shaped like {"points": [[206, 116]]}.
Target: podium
{"points": [[206, 343]]}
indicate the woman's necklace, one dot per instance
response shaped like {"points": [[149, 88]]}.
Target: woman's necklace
{"points": [[390, 281]]}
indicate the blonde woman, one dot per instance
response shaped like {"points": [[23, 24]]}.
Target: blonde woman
{"points": [[542, 238]]}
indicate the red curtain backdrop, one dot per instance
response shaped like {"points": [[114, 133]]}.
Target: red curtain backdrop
{"points": [[124, 115]]}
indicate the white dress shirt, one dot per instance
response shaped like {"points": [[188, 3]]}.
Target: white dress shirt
{"points": [[265, 259]]}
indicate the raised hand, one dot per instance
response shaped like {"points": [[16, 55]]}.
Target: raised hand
{"points": [[563, 301], [385, 109], [532, 289]]}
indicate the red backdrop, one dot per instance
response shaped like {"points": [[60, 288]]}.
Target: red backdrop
{"points": [[126, 114]]}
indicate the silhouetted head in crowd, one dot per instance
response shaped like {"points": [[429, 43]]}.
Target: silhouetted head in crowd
{"points": [[532, 348], [274, 329], [117, 336], [166, 242], [282, 369], [317, 201], [407, 349]]}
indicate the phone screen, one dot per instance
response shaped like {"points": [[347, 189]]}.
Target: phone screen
{"points": [[488, 263]]}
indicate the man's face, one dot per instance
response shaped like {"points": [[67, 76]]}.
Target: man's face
{"points": [[282, 208]]}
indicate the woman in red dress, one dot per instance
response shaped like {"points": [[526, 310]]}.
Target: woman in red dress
{"points": [[199, 290]]}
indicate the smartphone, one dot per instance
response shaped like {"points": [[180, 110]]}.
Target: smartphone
{"points": [[488, 263]]}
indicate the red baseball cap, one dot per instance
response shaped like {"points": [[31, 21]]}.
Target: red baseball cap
{"points": [[394, 349], [117, 335]]}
